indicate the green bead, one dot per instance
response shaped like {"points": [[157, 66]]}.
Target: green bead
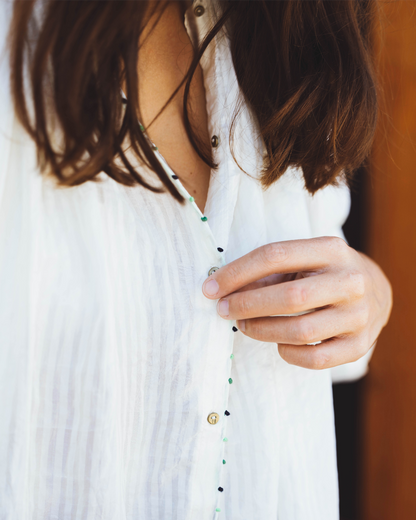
{"points": [[218, 510], [232, 356], [141, 128], [154, 147], [225, 439], [230, 381], [204, 219], [223, 462], [191, 199]]}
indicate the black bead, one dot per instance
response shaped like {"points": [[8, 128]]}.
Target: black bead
{"points": [[175, 177], [235, 329], [227, 412], [220, 249], [220, 489], [124, 100]]}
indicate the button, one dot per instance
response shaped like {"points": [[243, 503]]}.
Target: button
{"points": [[212, 270], [199, 10], [213, 418], [215, 141]]}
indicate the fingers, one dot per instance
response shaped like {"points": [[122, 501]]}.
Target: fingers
{"points": [[292, 297], [308, 328], [272, 279], [328, 354], [277, 257]]}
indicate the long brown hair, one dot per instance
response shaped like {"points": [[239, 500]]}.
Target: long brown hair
{"points": [[304, 68]]}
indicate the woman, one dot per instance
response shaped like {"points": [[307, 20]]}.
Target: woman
{"points": [[150, 265]]}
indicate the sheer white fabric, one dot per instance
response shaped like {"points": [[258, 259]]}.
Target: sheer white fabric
{"points": [[111, 358]]}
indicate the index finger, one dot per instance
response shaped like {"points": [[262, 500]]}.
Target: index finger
{"points": [[277, 257]]}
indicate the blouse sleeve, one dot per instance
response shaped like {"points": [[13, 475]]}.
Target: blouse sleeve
{"points": [[328, 210]]}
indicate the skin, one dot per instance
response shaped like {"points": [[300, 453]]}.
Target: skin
{"points": [[165, 55], [346, 296]]}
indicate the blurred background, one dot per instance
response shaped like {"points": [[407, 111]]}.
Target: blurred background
{"points": [[376, 416]]}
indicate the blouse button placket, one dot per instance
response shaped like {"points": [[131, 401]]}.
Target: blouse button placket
{"points": [[203, 218], [213, 417]]}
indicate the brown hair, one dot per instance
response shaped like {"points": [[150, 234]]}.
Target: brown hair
{"points": [[304, 69]]}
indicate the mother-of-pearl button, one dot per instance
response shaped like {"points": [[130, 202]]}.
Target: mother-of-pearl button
{"points": [[213, 418], [212, 270]]}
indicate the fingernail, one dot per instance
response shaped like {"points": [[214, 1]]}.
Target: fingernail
{"points": [[211, 288], [223, 308], [241, 324]]}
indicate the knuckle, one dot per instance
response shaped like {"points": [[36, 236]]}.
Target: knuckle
{"points": [[326, 241], [256, 329], [244, 304], [362, 318], [356, 280], [274, 253], [337, 245], [234, 272], [315, 360], [306, 332], [319, 360], [295, 296]]}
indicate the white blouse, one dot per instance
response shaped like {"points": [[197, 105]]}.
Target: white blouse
{"points": [[123, 394]]}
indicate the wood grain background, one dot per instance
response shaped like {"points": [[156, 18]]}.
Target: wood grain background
{"points": [[388, 487]]}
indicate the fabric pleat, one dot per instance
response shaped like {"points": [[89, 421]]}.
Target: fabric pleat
{"points": [[111, 358]]}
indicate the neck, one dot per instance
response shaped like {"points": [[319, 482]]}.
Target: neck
{"points": [[164, 57]]}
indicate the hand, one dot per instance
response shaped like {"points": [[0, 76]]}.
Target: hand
{"points": [[347, 294]]}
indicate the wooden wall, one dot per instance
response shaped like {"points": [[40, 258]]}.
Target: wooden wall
{"points": [[388, 487]]}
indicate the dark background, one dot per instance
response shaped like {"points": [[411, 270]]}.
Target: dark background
{"points": [[348, 396]]}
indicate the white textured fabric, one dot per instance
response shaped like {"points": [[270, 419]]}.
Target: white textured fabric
{"points": [[111, 358]]}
